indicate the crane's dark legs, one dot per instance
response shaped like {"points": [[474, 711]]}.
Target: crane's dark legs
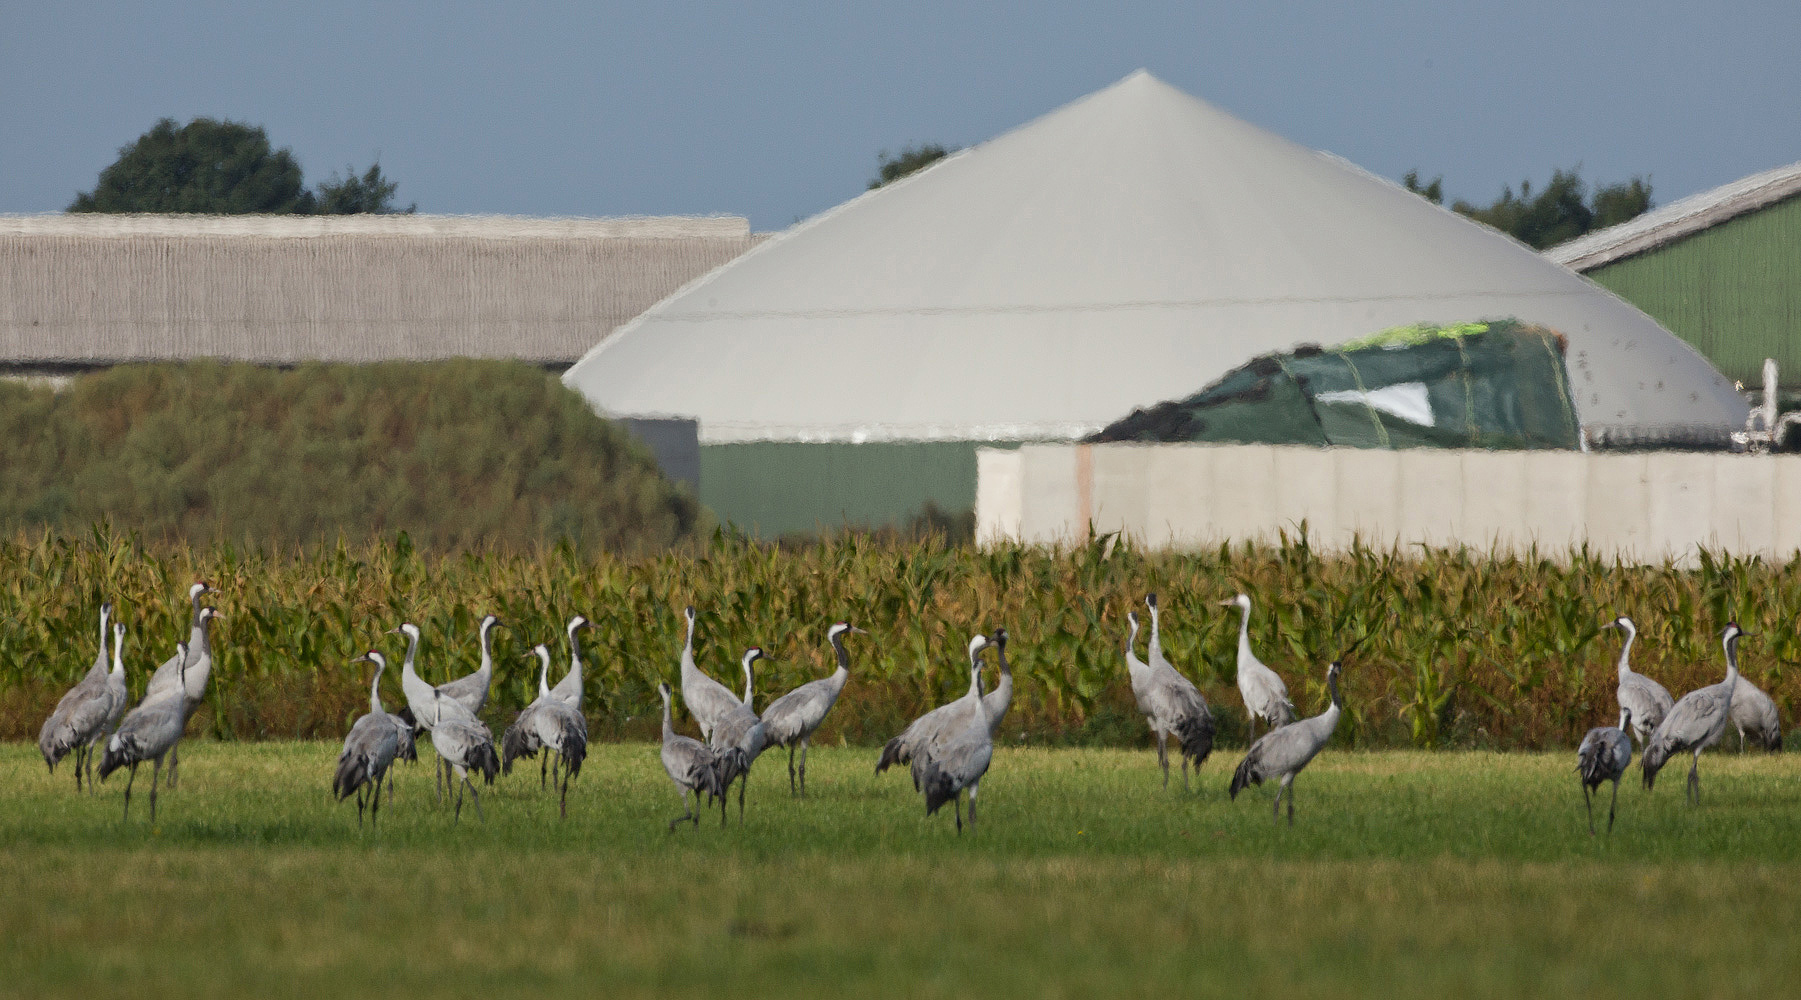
{"points": [[133, 777], [77, 770], [1289, 784], [972, 806], [958, 803], [1163, 756], [457, 814], [686, 812], [743, 779], [791, 769], [1611, 805], [1591, 806], [154, 775], [1694, 779], [174, 763], [564, 803], [438, 770], [803, 766], [359, 806], [1186, 787]]}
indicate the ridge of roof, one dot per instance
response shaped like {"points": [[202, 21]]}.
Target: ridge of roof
{"points": [[1680, 218], [124, 225]]}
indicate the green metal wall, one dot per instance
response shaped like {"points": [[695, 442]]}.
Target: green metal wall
{"points": [[773, 488], [1733, 291]]}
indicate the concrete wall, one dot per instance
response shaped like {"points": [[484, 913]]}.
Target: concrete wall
{"points": [[1645, 506]]}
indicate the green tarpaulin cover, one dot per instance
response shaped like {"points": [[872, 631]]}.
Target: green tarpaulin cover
{"points": [[1498, 384]]}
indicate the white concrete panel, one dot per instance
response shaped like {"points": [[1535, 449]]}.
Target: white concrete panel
{"points": [[1618, 506], [1307, 492], [1681, 502], [1048, 482], [1431, 497], [999, 495], [1556, 499], [1244, 493], [1369, 484], [1179, 503], [1787, 489], [1121, 486], [1743, 518], [1494, 501]]}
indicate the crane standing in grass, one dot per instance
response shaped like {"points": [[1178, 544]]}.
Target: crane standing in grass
{"points": [[1284, 752], [1696, 722], [740, 737], [465, 744], [369, 749], [1603, 756], [793, 717], [1643, 701], [561, 729], [569, 689], [1754, 710], [199, 664], [1265, 696], [82, 716], [924, 730], [691, 765], [995, 703], [707, 699], [1171, 703], [148, 732], [958, 760]]}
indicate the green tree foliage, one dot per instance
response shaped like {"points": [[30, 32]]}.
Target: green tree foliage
{"points": [[226, 168], [1561, 211], [457, 453], [370, 193], [220, 167], [910, 160]]}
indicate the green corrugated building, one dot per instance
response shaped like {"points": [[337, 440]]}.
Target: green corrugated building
{"points": [[1720, 269]]}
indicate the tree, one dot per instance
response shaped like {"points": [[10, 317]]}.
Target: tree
{"points": [[1559, 213], [371, 193], [220, 167], [911, 160]]}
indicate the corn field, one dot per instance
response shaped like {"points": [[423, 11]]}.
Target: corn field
{"points": [[1453, 648]]}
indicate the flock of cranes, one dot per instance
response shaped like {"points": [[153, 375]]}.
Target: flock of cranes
{"points": [[948, 750]]}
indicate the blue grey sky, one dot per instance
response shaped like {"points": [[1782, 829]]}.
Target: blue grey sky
{"points": [[778, 113]]}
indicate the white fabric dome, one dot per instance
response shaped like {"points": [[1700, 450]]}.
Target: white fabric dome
{"points": [[1127, 248]]}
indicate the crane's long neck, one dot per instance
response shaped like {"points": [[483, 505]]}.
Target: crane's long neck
{"points": [[1731, 663], [1244, 632], [487, 666], [975, 677], [104, 614], [119, 651], [843, 654], [1156, 634], [747, 680], [1626, 650], [194, 599], [1334, 710], [200, 640], [375, 704], [668, 722], [575, 649], [543, 672], [412, 650]]}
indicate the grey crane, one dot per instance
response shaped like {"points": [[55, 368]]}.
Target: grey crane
{"points": [[424, 704], [1642, 700], [471, 690], [995, 703], [81, 715], [906, 747], [569, 689], [147, 733], [168, 673], [691, 765], [1603, 756], [1171, 703], [707, 699], [199, 670], [958, 761], [739, 737], [117, 694], [466, 745], [1697, 721], [1284, 752], [521, 738], [369, 749], [1265, 696], [560, 728], [1755, 711], [793, 717], [405, 749]]}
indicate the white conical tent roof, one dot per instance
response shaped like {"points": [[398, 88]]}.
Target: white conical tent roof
{"points": [[1128, 248]]}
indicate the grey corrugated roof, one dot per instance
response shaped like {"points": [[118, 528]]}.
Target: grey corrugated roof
{"points": [[1678, 219], [1128, 248], [95, 289]]}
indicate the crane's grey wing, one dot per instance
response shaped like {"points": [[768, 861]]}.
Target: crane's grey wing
{"points": [[469, 691], [786, 717], [707, 699], [521, 738]]}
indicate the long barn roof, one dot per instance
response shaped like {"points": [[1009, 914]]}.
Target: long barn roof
{"points": [[1678, 219], [102, 289], [1128, 248]]}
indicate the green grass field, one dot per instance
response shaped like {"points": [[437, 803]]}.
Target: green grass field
{"points": [[1407, 874]]}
